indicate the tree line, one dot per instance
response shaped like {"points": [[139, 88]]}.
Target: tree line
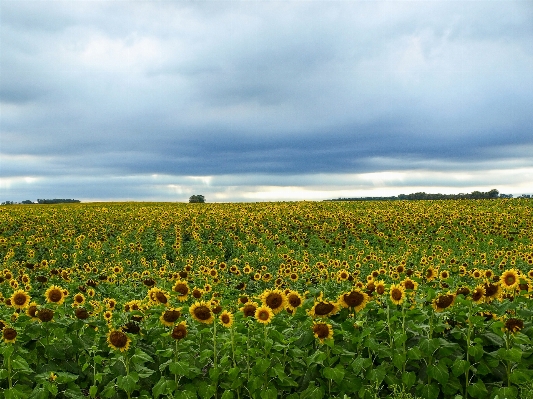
{"points": [[43, 201], [492, 194]]}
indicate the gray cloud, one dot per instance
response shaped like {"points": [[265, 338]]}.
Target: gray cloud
{"points": [[114, 90]]}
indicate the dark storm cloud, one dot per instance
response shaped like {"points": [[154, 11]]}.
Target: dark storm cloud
{"points": [[102, 90]]}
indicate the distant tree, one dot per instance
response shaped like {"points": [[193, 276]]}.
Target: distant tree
{"points": [[197, 199], [494, 193], [27, 202], [8, 203]]}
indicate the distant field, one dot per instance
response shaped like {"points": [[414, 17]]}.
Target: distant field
{"points": [[373, 299]]}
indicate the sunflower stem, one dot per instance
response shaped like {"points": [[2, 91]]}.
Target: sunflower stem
{"points": [[175, 361], [468, 338], [215, 355], [9, 376], [508, 365]]}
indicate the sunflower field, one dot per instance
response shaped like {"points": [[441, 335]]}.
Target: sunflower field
{"points": [[382, 299]]}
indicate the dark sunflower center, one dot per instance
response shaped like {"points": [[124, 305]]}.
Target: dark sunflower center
{"points": [[294, 300], [82, 314], [118, 339], [274, 301], [9, 334], [20, 299], [491, 289], [354, 299], [202, 312], [514, 325], [161, 298], [444, 301], [45, 315], [179, 332], [409, 285], [321, 330], [263, 315], [197, 294], [380, 289], [510, 279], [396, 294], [78, 298], [248, 310], [477, 295], [322, 308], [171, 316], [181, 289], [225, 319], [55, 295], [32, 310]]}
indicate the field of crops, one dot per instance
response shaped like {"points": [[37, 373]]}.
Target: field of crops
{"points": [[399, 299]]}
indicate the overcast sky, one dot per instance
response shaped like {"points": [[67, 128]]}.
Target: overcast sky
{"points": [[264, 100]]}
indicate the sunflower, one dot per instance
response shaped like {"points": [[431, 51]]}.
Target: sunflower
{"points": [[274, 299], [55, 294], [117, 339], [179, 331], [431, 273], [32, 311], [79, 299], [409, 284], [20, 299], [170, 316], [201, 312], [443, 302], [226, 318], [264, 314], [110, 303], [478, 294], [249, 309], [379, 287], [342, 275], [197, 293], [322, 331], [492, 291], [182, 289], [355, 299], [514, 325], [294, 300], [510, 279], [397, 293], [9, 335]]}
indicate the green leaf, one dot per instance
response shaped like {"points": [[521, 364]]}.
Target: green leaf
{"points": [[140, 357], [39, 393], [206, 390], [513, 354], [261, 366], [360, 364], [269, 393], [414, 353], [408, 379], [14, 393], [476, 351], [93, 391], [20, 364], [478, 390], [336, 374], [128, 382], [64, 378], [179, 368], [312, 392], [227, 395], [430, 391], [399, 360], [459, 367], [506, 392], [439, 372]]}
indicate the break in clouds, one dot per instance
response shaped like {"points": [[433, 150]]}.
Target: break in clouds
{"points": [[250, 101]]}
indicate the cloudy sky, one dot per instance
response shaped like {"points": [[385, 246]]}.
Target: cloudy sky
{"points": [[264, 100]]}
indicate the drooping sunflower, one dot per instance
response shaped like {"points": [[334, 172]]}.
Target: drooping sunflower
{"points": [[201, 312], [226, 319], [443, 302], [81, 313], [355, 299], [20, 299], [179, 331], [45, 315], [323, 308], [118, 340], [9, 335], [274, 299], [510, 279], [478, 294], [182, 289], [264, 314], [55, 294], [158, 296], [397, 293], [322, 331], [170, 316], [514, 325]]}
